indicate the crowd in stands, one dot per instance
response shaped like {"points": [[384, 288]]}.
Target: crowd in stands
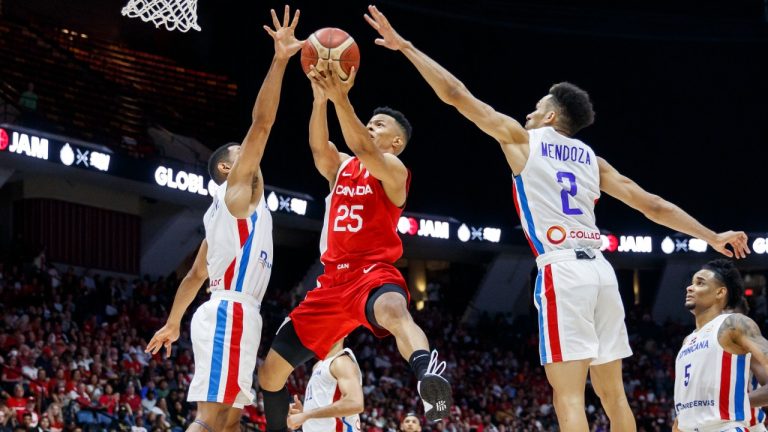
{"points": [[72, 358]]}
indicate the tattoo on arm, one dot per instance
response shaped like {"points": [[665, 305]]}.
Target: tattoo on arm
{"points": [[739, 326]]}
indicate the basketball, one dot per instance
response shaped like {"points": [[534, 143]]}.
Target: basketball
{"points": [[331, 47]]}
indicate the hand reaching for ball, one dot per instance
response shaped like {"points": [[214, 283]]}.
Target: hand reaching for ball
{"points": [[330, 83], [389, 37], [286, 43]]}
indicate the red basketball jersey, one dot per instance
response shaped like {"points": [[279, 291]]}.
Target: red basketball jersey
{"points": [[360, 221]]}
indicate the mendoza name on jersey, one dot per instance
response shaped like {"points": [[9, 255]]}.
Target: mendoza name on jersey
{"points": [[566, 153]]}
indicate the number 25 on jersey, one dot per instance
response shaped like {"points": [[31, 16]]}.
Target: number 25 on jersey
{"points": [[348, 218]]}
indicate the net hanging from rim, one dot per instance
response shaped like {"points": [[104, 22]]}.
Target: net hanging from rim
{"points": [[172, 14]]}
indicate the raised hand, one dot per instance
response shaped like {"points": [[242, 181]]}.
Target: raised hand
{"points": [[331, 84], [286, 43], [389, 37], [164, 337], [736, 239], [317, 92]]}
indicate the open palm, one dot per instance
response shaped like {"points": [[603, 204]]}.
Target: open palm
{"points": [[389, 37], [286, 43]]}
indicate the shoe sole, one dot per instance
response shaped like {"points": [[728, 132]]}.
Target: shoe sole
{"points": [[438, 389]]}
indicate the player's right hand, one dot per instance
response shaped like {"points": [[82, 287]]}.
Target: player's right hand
{"points": [[164, 337], [296, 414], [736, 239], [389, 37]]}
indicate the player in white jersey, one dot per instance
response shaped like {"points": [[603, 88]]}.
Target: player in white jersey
{"points": [[334, 395], [757, 377], [712, 368], [557, 180], [236, 256]]}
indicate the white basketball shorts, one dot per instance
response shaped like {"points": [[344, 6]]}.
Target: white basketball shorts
{"points": [[580, 311], [226, 331]]}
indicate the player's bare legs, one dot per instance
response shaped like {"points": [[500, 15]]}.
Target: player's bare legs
{"points": [[274, 372], [568, 380], [608, 384], [390, 310], [211, 417]]}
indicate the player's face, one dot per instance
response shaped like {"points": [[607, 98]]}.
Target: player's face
{"points": [[411, 424], [704, 292], [542, 116], [385, 133]]}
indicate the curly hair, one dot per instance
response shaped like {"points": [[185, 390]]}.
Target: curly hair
{"points": [[574, 104], [727, 274]]}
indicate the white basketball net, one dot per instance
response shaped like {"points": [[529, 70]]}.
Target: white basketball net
{"points": [[173, 14]]}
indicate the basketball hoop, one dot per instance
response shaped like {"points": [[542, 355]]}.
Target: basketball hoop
{"points": [[173, 14]]}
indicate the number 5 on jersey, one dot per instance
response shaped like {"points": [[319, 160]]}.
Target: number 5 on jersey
{"points": [[348, 218]]}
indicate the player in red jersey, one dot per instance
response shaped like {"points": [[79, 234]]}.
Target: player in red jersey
{"points": [[359, 245]]}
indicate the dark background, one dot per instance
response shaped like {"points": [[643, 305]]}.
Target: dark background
{"points": [[679, 89]]}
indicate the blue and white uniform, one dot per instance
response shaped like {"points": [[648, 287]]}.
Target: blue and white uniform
{"points": [[323, 390], [711, 384], [581, 315], [226, 330]]}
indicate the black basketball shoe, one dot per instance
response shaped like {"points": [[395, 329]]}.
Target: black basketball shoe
{"points": [[435, 391]]}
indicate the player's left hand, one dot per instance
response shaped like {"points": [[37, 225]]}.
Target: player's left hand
{"points": [[331, 83], [286, 43], [736, 239], [165, 337]]}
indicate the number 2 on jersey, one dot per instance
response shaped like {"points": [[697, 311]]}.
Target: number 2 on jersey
{"points": [[571, 177], [348, 219]]}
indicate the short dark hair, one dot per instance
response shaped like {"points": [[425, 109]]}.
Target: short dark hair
{"points": [[218, 155], [727, 274], [399, 117], [574, 105]]}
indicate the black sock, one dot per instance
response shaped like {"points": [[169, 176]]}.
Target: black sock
{"points": [[276, 409], [419, 362]]}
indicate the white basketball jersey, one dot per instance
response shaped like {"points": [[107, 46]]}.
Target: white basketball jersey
{"points": [[239, 250], [556, 193], [322, 391], [710, 383], [758, 415]]}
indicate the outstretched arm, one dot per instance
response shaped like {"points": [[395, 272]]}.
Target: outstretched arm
{"points": [[244, 182], [186, 293], [386, 167], [327, 158], [740, 335], [666, 213], [347, 375], [506, 130]]}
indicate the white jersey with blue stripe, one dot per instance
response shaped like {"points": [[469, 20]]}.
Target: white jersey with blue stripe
{"points": [[322, 391], [239, 250], [556, 192], [711, 384], [758, 415]]}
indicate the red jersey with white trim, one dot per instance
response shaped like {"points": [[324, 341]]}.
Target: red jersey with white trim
{"points": [[239, 250], [360, 220]]}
